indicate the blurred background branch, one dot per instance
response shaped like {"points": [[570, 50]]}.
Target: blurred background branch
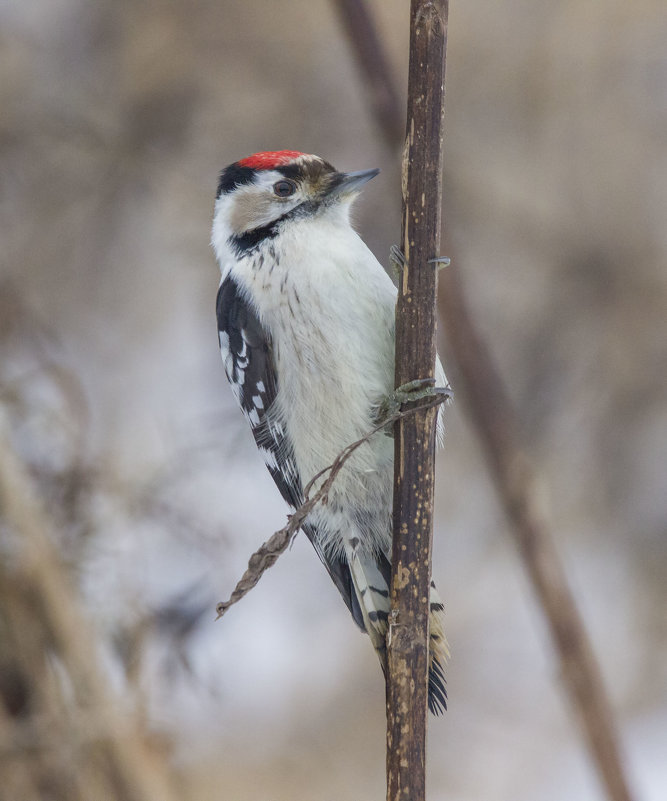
{"points": [[111, 757], [373, 62]]}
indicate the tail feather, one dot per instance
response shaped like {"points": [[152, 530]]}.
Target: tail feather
{"points": [[372, 591], [438, 654], [370, 578]]}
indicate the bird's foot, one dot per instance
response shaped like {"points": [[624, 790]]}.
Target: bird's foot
{"points": [[397, 261], [440, 262], [411, 392]]}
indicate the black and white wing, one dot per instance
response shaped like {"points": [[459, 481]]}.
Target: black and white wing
{"points": [[247, 354]]}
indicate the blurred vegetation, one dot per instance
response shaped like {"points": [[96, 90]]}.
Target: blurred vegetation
{"points": [[141, 495]]}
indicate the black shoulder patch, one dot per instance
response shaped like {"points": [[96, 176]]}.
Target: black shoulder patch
{"points": [[233, 176]]}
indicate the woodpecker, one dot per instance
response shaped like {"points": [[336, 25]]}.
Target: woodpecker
{"points": [[306, 329]]}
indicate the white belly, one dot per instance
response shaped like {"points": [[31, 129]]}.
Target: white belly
{"points": [[332, 324]]}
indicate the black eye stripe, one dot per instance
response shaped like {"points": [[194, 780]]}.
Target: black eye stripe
{"points": [[284, 188]]}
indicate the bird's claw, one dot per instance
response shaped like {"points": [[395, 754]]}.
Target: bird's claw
{"points": [[397, 260], [410, 392]]}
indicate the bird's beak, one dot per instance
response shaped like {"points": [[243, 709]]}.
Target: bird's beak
{"points": [[351, 182]]}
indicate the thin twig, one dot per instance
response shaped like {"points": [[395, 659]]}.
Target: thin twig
{"points": [[265, 556]]}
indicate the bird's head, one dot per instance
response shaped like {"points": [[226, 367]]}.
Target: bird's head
{"points": [[261, 193]]}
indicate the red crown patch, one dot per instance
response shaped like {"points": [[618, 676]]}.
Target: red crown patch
{"points": [[269, 159]]}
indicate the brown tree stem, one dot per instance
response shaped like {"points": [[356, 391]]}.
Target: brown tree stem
{"points": [[414, 443], [494, 420]]}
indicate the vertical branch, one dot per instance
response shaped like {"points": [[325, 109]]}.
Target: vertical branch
{"points": [[495, 424], [414, 444]]}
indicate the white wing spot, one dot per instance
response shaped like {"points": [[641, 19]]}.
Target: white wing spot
{"points": [[269, 459]]}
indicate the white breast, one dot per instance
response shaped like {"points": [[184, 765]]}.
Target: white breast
{"points": [[329, 307]]}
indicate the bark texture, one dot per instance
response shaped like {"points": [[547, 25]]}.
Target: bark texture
{"points": [[407, 681]]}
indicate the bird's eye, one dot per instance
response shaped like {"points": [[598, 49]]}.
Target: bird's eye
{"points": [[284, 188]]}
